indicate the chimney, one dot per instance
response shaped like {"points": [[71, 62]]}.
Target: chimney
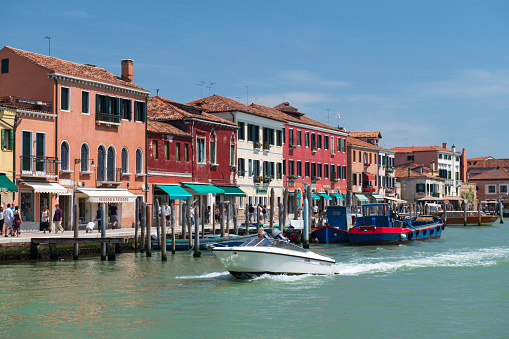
{"points": [[432, 166], [409, 172], [444, 144], [453, 148], [127, 70], [463, 166]]}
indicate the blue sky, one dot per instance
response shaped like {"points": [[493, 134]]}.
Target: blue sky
{"points": [[421, 73]]}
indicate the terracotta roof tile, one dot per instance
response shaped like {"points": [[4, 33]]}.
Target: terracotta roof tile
{"points": [[480, 159], [494, 174], [166, 128], [73, 69], [402, 172], [365, 134], [420, 149], [492, 163], [216, 103], [162, 109], [354, 141]]}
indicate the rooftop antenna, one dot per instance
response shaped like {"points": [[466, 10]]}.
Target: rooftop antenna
{"points": [[201, 87], [157, 90], [327, 116], [338, 116], [49, 44], [247, 94], [255, 100], [210, 86]]}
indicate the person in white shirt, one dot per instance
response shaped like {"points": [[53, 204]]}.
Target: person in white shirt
{"points": [[167, 212], [8, 218]]}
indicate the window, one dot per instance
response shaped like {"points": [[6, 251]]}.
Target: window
{"points": [[306, 139], [338, 145], [319, 170], [326, 171], [250, 168], [344, 145], [232, 155], [344, 172], [64, 98], [491, 189], [290, 137], [256, 168], [354, 159], [284, 167], [200, 150], [166, 150], [5, 65], [124, 161], [503, 189], [291, 167], [107, 108], [313, 169], [40, 151], [125, 109], [332, 144], [279, 170], [139, 161], [241, 163], [177, 151], [7, 139], [64, 156], [279, 138], [101, 163], [186, 152], [420, 188], [242, 131], [253, 133], [154, 149], [319, 140], [139, 111], [212, 150], [111, 164], [354, 179], [85, 102], [299, 168], [84, 158], [313, 140], [299, 138], [326, 142]]}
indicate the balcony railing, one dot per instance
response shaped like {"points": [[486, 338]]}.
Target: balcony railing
{"points": [[107, 118], [108, 175], [38, 166]]}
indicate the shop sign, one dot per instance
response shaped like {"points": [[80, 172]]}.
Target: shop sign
{"points": [[261, 190], [111, 199]]}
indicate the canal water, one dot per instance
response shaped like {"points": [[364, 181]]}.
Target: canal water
{"points": [[456, 286]]}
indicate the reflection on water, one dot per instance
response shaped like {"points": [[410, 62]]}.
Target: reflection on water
{"points": [[137, 296]]}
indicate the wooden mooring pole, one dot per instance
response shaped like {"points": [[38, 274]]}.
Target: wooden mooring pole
{"points": [[146, 213], [136, 225], [104, 222], [172, 220], [76, 233], [162, 245]]}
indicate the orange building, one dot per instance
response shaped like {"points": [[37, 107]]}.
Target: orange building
{"points": [[362, 170], [81, 142]]}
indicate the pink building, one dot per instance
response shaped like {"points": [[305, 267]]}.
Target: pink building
{"points": [[89, 148]]}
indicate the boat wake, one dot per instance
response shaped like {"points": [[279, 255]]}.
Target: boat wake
{"points": [[282, 277], [466, 258], [205, 275]]}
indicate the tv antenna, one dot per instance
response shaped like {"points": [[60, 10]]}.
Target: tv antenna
{"points": [[338, 116], [210, 86], [327, 115], [49, 44], [201, 87]]}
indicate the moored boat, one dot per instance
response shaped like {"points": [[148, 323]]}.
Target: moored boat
{"points": [[271, 256], [336, 229], [377, 226], [458, 218]]}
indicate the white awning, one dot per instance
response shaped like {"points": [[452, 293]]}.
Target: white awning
{"points": [[46, 187], [108, 195], [396, 200]]}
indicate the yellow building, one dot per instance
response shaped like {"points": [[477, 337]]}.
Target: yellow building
{"points": [[7, 187]]}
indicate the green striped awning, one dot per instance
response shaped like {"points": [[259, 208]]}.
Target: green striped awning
{"points": [[325, 196], [378, 197], [338, 195], [297, 194], [203, 189], [361, 197], [316, 197], [175, 192], [6, 185], [232, 191]]}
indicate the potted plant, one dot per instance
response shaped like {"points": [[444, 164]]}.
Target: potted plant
{"points": [[291, 177], [258, 179], [313, 149], [267, 179], [257, 144], [266, 145], [315, 178]]}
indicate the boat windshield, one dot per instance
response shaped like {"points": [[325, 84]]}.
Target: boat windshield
{"points": [[261, 242], [375, 210]]}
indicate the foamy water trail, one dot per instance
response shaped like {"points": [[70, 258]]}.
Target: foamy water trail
{"points": [[461, 258], [282, 277], [205, 275]]}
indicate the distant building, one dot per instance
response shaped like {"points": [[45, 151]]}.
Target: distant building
{"points": [[419, 181], [492, 185]]}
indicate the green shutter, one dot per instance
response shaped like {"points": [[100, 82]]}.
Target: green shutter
{"points": [[135, 111], [2, 131]]}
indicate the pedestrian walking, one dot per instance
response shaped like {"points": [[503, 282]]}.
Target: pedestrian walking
{"points": [[57, 219], [16, 225], [167, 212], [1, 220], [45, 215], [113, 216], [8, 217]]}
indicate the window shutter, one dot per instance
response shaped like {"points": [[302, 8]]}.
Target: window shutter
{"points": [[129, 110], [136, 111], [2, 131], [97, 104]]}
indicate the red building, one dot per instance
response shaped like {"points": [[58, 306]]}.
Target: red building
{"points": [[187, 145]]}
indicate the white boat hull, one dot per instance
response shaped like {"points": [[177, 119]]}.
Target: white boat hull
{"points": [[244, 262]]}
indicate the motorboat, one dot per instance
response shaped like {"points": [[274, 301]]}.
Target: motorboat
{"points": [[271, 256], [183, 244]]}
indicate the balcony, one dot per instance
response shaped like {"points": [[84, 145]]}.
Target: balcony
{"points": [[38, 166], [107, 119], [108, 176], [368, 189]]}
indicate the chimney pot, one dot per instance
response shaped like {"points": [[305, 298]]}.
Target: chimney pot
{"points": [[444, 145], [127, 70]]}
